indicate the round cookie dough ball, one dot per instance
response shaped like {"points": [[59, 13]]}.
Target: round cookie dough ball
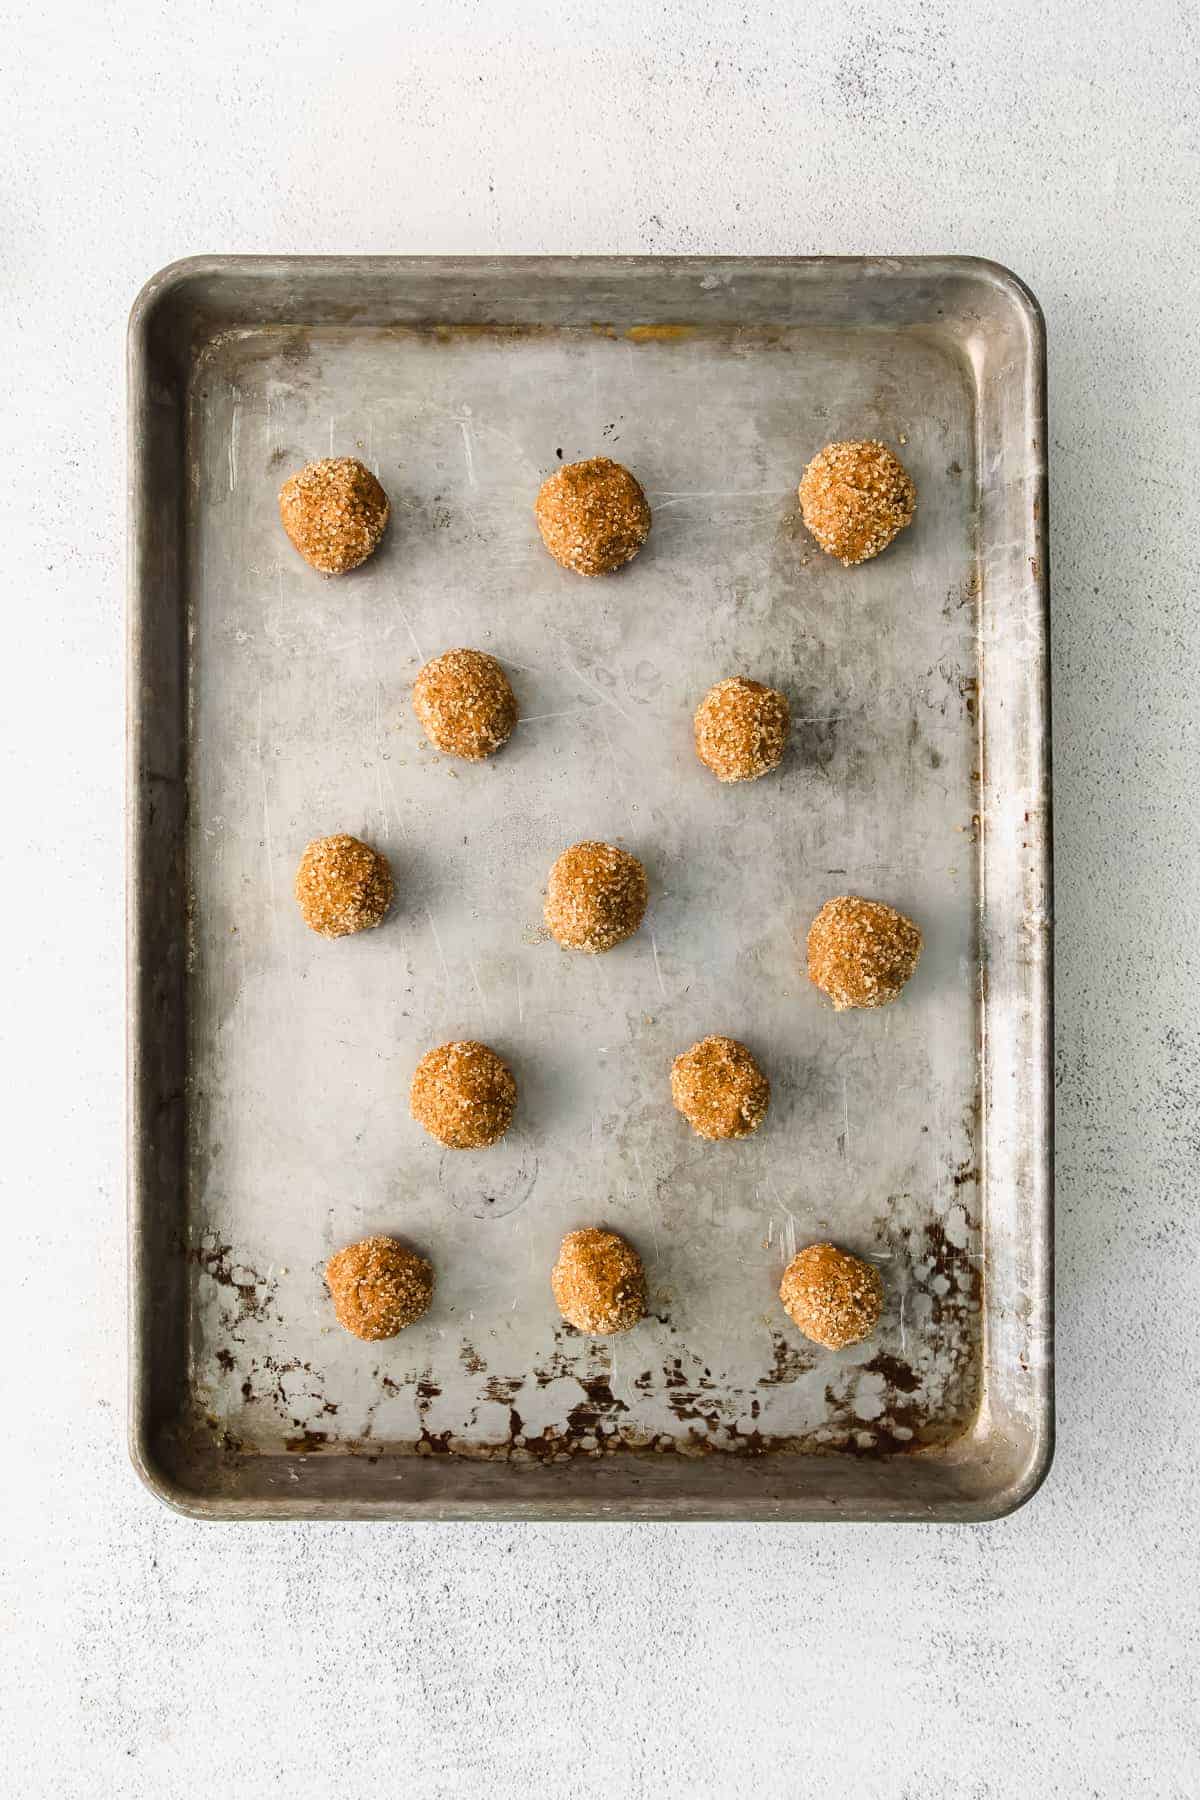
{"points": [[463, 1095], [720, 1089], [465, 704], [342, 886], [832, 1297], [599, 1282], [595, 897], [855, 498], [741, 729], [593, 516], [861, 952], [378, 1287], [335, 513]]}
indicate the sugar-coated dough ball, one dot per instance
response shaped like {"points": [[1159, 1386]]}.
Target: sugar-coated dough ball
{"points": [[855, 498], [595, 897], [720, 1089], [593, 515], [378, 1287], [465, 704], [463, 1095], [861, 952], [832, 1297], [741, 729], [599, 1282], [342, 886], [335, 513]]}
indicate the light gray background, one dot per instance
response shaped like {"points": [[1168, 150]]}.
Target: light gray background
{"points": [[1054, 1653]]}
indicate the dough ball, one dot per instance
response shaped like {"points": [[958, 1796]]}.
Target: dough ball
{"points": [[720, 1089], [378, 1287], [741, 729], [861, 952], [832, 1297], [595, 897], [342, 886], [335, 513], [855, 498], [463, 1095], [593, 516], [465, 704], [599, 1282]]}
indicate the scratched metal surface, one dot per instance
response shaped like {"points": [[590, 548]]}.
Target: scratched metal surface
{"points": [[301, 1051]]}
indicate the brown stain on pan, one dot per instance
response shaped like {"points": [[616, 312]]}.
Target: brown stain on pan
{"points": [[659, 334]]}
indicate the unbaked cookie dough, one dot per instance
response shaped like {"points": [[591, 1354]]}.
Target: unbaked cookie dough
{"points": [[335, 513], [593, 515], [832, 1297], [599, 1282], [378, 1287], [342, 886], [741, 729], [855, 498], [595, 897], [861, 952], [463, 1095], [465, 704], [720, 1089]]}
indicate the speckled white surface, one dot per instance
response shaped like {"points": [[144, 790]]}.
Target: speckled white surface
{"points": [[1052, 1654]]}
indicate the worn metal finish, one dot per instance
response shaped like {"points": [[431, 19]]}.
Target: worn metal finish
{"points": [[269, 1069]]}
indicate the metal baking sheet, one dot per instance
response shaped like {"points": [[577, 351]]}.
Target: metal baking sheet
{"points": [[270, 1069]]}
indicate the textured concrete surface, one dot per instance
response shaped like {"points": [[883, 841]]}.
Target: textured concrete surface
{"points": [[1055, 1653]]}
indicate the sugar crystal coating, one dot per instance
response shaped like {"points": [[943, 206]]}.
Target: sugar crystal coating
{"points": [[463, 1095], [832, 1297], [720, 1089], [595, 897], [599, 1282], [378, 1287], [335, 513], [861, 952], [741, 729], [342, 886], [855, 497], [465, 704], [593, 515]]}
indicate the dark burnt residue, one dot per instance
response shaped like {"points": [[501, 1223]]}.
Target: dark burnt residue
{"points": [[686, 1405], [921, 1407], [599, 1407], [434, 1443], [503, 1388], [265, 1381], [559, 1363], [788, 1362], [897, 1374], [253, 1299], [600, 1394], [307, 1442]]}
